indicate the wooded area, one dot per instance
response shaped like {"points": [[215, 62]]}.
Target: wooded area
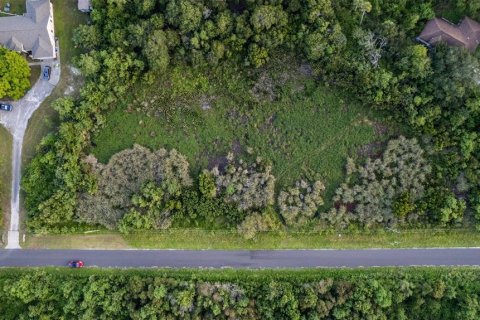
{"points": [[412, 293]]}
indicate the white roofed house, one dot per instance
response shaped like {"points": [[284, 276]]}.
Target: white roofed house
{"points": [[32, 33]]}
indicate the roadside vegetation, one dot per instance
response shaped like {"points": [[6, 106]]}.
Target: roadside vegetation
{"points": [[253, 117], [383, 293]]}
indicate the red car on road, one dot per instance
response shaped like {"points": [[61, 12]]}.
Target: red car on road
{"points": [[76, 264]]}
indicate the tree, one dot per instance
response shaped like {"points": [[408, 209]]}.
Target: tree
{"points": [[363, 6], [184, 14], [14, 74], [156, 51], [87, 37]]}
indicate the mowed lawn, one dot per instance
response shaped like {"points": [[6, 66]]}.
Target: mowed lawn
{"points": [[5, 175], [277, 113], [231, 240]]}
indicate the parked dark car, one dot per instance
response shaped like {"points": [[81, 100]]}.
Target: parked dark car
{"points": [[46, 72], [6, 107], [76, 264]]}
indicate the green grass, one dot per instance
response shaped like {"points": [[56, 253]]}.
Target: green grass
{"points": [[202, 239], [224, 239], [240, 275], [16, 6], [5, 176], [302, 129], [34, 74]]}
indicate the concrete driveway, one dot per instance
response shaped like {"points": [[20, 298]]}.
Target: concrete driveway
{"points": [[16, 123]]}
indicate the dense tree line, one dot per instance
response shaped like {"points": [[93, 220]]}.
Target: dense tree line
{"points": [[365, 47], [384, 294], [14, 74]]}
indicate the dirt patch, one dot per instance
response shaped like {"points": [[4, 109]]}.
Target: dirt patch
{"points": [[237, 148], [306, 70], [206, 102], [264, 88], [269, 122], [74, 81], [380, 129], [371, 150], [217, 161]]}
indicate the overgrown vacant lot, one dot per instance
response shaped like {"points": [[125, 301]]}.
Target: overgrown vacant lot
{"points": [[277, 113]]}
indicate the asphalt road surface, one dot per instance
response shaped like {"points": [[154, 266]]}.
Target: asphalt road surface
{"points": [[244, 258]]}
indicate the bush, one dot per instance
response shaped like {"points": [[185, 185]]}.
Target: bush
{"points": [[259, 222], [298, 204], [249, 186], [374, 194], [125, 175]]}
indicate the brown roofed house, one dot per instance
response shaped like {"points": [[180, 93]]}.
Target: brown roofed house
{"points": [[466, 34]]}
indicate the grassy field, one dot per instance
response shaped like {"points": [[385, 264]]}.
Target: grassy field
{"points": [[45, 119], [203, 239], [5, 176], [276, 113]]}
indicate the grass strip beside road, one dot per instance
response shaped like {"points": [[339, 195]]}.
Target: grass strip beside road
{"points": [[306, 274], [5, 176], [230, 240]]}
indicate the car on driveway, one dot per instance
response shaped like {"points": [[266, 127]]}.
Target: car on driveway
{"points": [[76, 264], [46, 72], [6, 107]]}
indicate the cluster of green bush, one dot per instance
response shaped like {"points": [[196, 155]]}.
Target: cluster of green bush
{"points": [[321, 294], [140, 190], [393, 190], [364, 47]]}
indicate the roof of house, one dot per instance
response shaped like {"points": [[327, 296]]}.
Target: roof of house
{"points": [[31, 32], [465, 34], [84, 5]]}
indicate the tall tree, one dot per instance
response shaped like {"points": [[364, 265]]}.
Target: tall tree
{"points": [[14, 74]]}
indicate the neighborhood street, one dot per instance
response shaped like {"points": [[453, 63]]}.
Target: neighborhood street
{"points": [[244, 258]]}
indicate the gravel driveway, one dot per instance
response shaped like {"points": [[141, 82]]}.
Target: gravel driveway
{"points": [[16, 122]]}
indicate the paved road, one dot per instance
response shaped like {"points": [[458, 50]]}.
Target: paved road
{"points": [[244, 258], [16, 123]]}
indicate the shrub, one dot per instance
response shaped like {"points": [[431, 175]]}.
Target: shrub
{"points": [[300, 203], [259, 222], [249, 186], [125, 175], [207, 184], [198, 210], [383, 190]]}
